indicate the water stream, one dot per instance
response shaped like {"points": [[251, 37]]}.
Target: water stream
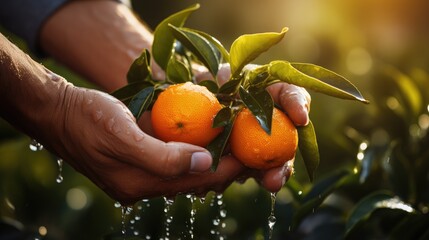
{"points": [[272, 218]]}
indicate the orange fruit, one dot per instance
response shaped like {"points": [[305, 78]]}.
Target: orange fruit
{"points": [[251, 145], [184, 113]]}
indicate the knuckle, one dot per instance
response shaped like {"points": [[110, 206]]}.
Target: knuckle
{"points": [[173, 163]]}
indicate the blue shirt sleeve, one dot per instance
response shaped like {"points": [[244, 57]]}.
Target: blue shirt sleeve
{"points": [[25, 17]]}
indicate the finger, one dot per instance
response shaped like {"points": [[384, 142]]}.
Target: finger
{"points": [[168, 159], [274, 179], [130, 144], [294, 100]]}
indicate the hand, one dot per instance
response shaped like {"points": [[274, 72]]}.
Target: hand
{"points": [[294, 100], [98, 136]]}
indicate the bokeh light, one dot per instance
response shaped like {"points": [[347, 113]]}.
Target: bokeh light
{"points": [[77, 198]]}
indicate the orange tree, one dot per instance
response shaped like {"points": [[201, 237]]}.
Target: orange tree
{"points": [[175, 48]]}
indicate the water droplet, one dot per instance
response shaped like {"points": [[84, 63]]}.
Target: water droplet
{"points": [[59, 179], [35, 146], [97, 115], [138, 136], [223, 213], [216, 222], [112, 127], [117, 205], [89, 101], [271, 221], [60, 171]]}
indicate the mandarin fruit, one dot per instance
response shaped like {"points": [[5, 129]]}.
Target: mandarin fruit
{"points": [[251, 145], [184, 113]]}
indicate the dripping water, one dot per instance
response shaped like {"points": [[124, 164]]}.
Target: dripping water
{"points": [[168, 202], [218, 223], [60, 171], [192, 199], [35, 146], [272, 218], [125, 211]]}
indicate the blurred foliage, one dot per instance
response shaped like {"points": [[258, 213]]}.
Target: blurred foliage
{"points": [[372, 182]]}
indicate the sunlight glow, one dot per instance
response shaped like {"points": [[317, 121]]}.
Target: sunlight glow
{"points": [[424, 121], [359, 61], [395, 203]]}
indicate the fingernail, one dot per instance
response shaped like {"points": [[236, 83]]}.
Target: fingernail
{"points": [[200, 161]]}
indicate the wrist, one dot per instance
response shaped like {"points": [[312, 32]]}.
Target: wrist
{"points": [[30, 93]]}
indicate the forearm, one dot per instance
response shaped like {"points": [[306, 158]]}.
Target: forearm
{"points": [[27, 89], [97, 39]]}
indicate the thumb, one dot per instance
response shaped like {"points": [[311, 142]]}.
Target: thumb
{"points": [[166, 159]]}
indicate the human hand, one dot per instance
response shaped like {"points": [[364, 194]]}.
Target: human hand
{"points": [[98, 136], [295, 102]]}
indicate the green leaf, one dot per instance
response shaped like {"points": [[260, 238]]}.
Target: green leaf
{"points": [[315, 78], [308, 147], [210, 85], [217, 146], [248, 47], [326, 185], [319, 192], [222, 118], [259, 78], [177, 71], [141, 101], [163, 42], [230, 87], [371, 203], [215, 42], [260, 103], [199, 46], [126, 93], [140, 68]]}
